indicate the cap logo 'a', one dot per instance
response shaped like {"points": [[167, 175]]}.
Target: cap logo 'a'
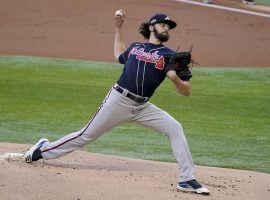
{"points": [[167, 18]]}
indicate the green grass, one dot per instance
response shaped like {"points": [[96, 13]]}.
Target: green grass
{"points": [[226, 119], [263, 2]]}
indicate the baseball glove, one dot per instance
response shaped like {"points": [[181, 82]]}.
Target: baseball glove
{"points": [[180, 62]]}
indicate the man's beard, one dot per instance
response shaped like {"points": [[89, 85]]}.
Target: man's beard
{"points": [[162, 37]]}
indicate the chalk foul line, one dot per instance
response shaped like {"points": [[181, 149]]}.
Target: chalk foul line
{"points": [[225, 8]]}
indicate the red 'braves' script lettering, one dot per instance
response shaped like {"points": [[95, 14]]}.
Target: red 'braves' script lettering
{"points": [[149, 57]]}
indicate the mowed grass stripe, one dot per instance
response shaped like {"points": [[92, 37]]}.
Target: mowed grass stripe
{"points": [[226, 119]]}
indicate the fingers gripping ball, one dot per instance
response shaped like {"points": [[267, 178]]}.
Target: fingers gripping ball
{"points": [[119, 16], [119, 13]]}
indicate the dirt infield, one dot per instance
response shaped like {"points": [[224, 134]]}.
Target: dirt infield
{"points": [[82, 175], [85, 29]]}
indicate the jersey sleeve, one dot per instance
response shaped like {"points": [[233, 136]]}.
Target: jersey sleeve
{"points": [[166, 62], [124, 56]]}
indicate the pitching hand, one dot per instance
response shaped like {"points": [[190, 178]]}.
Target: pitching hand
{"points": [[119, 17]]}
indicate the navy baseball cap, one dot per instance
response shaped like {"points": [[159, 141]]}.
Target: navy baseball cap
{"points": [[162, 18]]}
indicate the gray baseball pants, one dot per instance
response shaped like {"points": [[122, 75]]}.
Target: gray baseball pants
{"points": [[117, 109]]}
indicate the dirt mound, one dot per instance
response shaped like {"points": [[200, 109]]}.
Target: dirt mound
{"points": [[85, 30], [83, 175]]}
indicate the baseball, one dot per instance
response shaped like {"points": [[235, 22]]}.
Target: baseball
{"points": [[119, 13]]}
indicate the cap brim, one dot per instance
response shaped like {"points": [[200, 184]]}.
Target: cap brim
{"points": [[171, 23]]}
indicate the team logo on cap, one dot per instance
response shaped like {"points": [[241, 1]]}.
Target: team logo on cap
{"points": [[153, 21], [149, 57]]}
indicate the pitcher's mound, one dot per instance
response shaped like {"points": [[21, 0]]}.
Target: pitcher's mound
{"points": [[83, 175]]}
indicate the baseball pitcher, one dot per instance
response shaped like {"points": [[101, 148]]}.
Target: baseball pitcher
{"points": [[146, 65]]}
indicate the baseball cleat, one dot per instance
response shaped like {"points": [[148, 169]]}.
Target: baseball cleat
{"points": [[252, 3], [34, 153], [208, 1], [192, 186], [249, 2]]}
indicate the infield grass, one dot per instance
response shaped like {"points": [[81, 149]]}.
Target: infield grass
{"points": [[263, 2], [226, 119]]}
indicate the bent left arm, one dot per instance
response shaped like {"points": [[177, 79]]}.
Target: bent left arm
{"points": [[183, 87]]}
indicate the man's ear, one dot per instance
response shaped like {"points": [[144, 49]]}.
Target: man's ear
{"points": [[151, 28]]}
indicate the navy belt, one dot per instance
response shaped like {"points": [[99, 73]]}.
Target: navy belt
{"points": [[138, 99]]}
